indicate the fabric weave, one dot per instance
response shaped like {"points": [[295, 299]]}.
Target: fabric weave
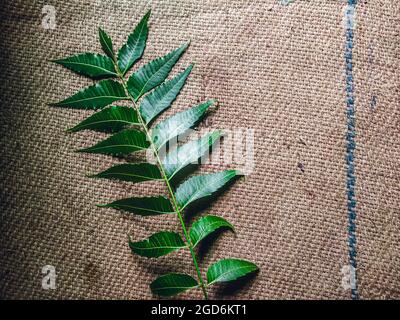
{"points": [[277, 69]]}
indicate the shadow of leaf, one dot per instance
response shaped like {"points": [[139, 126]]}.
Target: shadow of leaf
{"points": [[206, 244], [232, 288]]}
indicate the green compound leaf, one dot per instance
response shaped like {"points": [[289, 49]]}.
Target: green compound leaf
{"points": [[124, 142], [178, 124], [159, 244], [205, 226], [229, 270], [133, 49], [97, 96], [198, 187], [106, 43], [189, 153], [110, 119], [163, 96], [150, 94], [172, 283], [147, 206], [89, 64], [153, 73], [132, 172]]}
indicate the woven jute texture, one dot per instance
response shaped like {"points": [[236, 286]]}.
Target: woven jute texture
{"points": [[275, 69]]}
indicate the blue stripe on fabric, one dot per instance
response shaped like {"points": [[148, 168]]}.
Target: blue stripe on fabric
{"points": [[351, 145]]}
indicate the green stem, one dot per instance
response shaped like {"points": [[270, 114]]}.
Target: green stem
{"points": [[165, 178]]}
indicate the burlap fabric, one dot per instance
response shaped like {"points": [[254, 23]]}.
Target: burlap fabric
{"points": [[276, 69]]}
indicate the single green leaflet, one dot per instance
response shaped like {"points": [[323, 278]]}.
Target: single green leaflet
{"points": [[146, 206], [172, 283], [106, 43], [159, 244], [227, 270], [124, 142], [110, 119], [134, 47], [89, 64], [178, 124], [198, 187], [96, 96], [189, 153], [132, 172]]}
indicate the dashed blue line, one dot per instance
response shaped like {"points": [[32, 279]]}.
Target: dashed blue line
{"points": [[351, 145]]}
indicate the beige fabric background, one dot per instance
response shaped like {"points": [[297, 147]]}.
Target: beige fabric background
{"points": [[276, 69]]}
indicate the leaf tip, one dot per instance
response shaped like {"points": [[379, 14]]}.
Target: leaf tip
{"points": [[148, 13], [185, 45], [190, 67], [213, 101], [129, 239], [91, 175], [238, 173], [219, 133], [54, 104], [70, 130]]}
